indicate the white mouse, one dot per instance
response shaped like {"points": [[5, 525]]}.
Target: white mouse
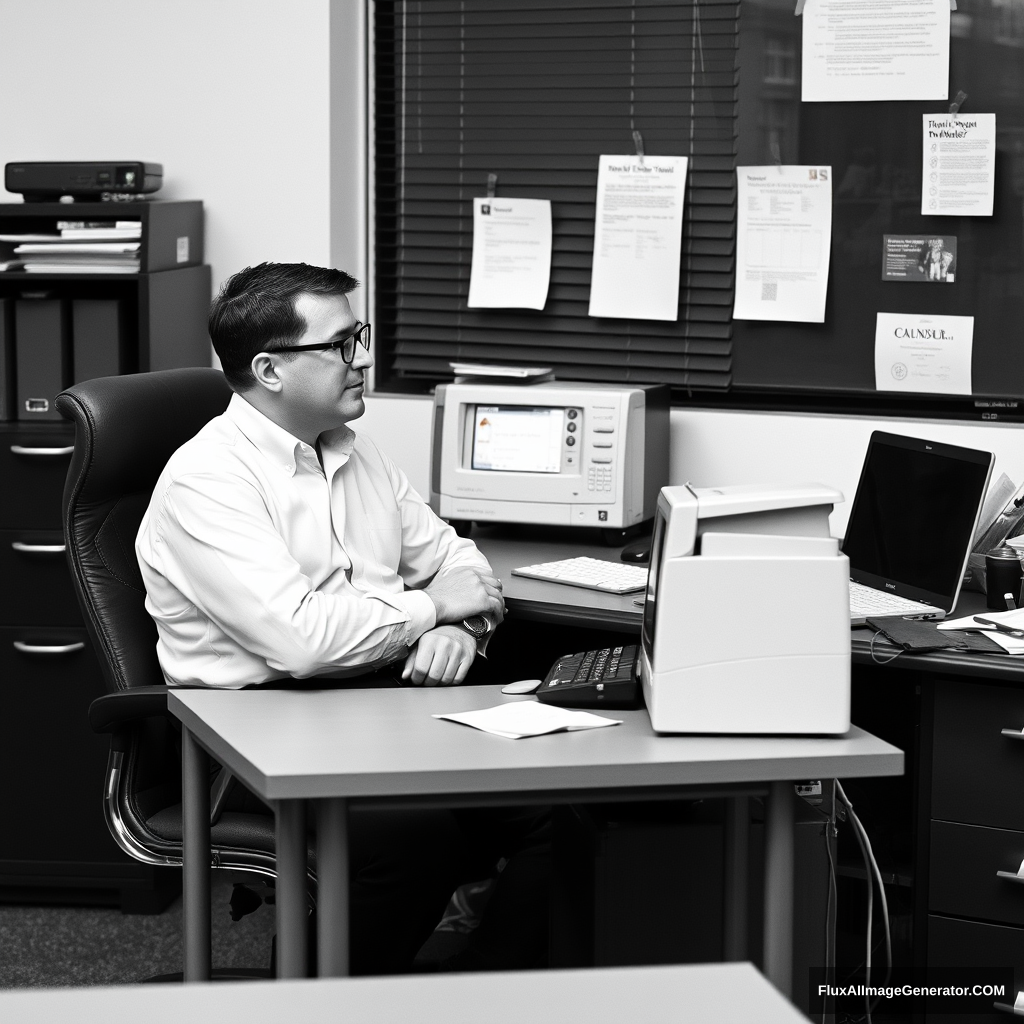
{"points": [[522, 686]]}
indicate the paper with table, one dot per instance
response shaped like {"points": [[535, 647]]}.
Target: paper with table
{"points": [[638, 237], [929, 354], [783, 241], [1010, 644], [511, 265], [519, 718], [958, 174], [875, 50]]}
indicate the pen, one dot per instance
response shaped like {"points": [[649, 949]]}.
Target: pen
{"points": [[1000, 626]]}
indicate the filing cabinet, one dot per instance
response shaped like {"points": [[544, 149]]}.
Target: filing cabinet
{"points": [[975, 903]]}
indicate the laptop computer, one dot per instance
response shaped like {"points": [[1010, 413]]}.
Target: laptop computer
{"points": [[911, 526]]}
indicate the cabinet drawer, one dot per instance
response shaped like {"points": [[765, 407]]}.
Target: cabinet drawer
{"points": [[964, 862], [977, 773], [37, 587], [33, 465], [51, 760], [975, 953]]}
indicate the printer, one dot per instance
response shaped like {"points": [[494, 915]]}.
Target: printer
{"points": [[746, 625]]}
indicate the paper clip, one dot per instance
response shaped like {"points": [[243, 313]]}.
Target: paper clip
{"points": [[800, 7], [954, 107], [638, 141], [492, 185]]}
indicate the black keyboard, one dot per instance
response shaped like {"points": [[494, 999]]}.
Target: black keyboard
{"points": [[607, 678]]}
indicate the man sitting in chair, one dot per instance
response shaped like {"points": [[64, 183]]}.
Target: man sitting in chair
{"points": [[280, 545]]}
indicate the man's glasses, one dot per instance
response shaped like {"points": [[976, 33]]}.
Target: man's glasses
{"points": [[346, 345]]}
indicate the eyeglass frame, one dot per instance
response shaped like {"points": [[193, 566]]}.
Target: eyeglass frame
{"points": [[360, 336]]}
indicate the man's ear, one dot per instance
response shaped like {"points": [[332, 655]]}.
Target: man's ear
{"points": [[264, 368]]}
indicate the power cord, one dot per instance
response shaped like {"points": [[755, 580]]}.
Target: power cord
{"points": [[871, 870], [874, 656]]}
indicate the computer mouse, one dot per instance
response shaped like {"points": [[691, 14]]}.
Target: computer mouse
{"points": [[521, 686], [638, 552]]}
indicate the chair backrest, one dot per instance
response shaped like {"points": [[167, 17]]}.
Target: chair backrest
{"points": [[126, 428]]}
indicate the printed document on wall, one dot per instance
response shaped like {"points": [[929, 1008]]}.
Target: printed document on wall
{"points": [[511, 253], [958, 176], [638, 237], [783, 240], [875, 50], [914, 352]]}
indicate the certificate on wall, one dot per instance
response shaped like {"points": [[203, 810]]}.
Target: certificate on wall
{"points": [[783, 241], [924, 353], [875, 50], [958, 176], [638, 237], [511, 253]]}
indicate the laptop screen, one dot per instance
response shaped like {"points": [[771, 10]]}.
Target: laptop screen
{"points": [[914, 516]]}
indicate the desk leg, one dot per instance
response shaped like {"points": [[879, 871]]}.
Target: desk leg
{"points": [[195, 793], [778, 887], [737, 839], [332, 888], [292, 908]]}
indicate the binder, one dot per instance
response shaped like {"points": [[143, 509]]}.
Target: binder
{"points": [[6, 359], [98, 338], [41, 357]]}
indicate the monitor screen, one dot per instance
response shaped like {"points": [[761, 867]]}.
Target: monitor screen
{"points": [[650, 602], [518, 438], [914, 515]]}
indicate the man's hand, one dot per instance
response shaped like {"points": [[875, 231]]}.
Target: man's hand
{"points": [[462, 592], [441, 657]]}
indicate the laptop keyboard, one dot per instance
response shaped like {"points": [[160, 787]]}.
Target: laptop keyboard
{"points": [[868, 601]]}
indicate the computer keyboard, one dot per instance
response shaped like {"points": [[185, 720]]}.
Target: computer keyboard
{"points": [[593, 573], [605, 678], [868, 601]]}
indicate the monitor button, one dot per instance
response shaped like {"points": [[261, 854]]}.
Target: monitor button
{"points": [[570, 440]]}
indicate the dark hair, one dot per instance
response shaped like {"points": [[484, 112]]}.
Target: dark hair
{"points": [[255, 310]]}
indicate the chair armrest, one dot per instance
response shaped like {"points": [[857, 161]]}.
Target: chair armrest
{"points": [[114, 710]]}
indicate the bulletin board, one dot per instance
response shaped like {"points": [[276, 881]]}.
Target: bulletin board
{"points": [[875, 151]]}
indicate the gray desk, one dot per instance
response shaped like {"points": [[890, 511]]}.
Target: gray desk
{"points": [[694, 994], [383, 748]]}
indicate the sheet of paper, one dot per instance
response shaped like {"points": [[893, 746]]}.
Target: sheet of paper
{"points": [[923, 353], [511, 265], [517, 719], [783, 240], [638, 237], [958, 175], [919, 259], [1010, 644], [875, 50]]}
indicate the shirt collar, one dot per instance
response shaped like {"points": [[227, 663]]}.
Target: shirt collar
{"points": [[285, 449]]}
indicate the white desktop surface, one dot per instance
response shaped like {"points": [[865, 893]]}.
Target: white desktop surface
{"points": [[692, 994], [289, 744]]}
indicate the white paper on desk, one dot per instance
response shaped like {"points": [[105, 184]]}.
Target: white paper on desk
{"points": [[958, 175], [783, 241], [923, 353], [638, 237], [1010, 644], [511, 254], [516, 719], [875, 50]]}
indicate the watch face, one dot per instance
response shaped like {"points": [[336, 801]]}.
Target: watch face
{"points": [[476, 624]]}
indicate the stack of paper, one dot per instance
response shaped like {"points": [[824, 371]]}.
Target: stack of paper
{"points": [[517, 719], [1014, 619], [98, 247]]}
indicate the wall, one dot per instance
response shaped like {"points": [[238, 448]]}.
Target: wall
{"points": [[716, 448], [231, 96]]}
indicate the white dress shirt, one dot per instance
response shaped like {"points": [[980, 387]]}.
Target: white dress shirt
{"points": [[259, 564]]}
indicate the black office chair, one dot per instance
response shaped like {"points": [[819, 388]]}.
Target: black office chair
{"points": [[126, 428]]}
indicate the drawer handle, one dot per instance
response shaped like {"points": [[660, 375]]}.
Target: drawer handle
{"points": [[19, 449], [1013, 734], [39, 549], [48, 649]]}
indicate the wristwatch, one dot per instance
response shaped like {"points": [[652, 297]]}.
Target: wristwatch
{"points": [[476, 626]]}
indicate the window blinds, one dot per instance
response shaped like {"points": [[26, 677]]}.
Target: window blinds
{"points": [[534, 91]]}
